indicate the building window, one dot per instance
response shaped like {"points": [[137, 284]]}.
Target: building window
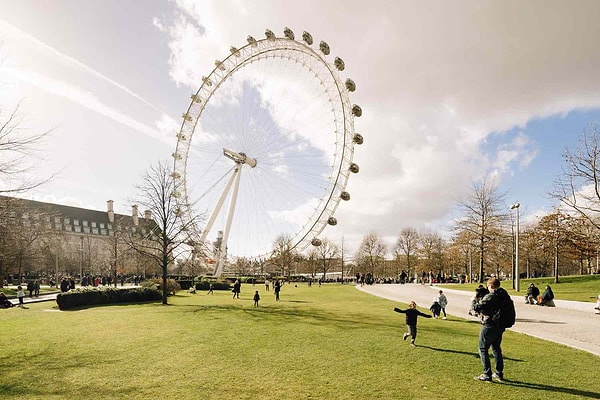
{"points": [[76, 222], [103, 232], [86, 229], [102, 225], [77, 228], [85, 223], [93, 224], [57, 220], [68, 228], [67, 221], [95, 231], [109, 226]]}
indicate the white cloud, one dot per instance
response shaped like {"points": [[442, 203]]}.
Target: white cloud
{"points": [[432, 86], [27, 40]]}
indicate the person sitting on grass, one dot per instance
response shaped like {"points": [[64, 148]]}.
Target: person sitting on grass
{"points": [[411, 320], [6, 303], [532, 294], [547, 298]]}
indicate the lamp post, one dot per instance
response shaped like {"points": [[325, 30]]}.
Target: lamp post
{"points": [[516, 272], [81, 261]]}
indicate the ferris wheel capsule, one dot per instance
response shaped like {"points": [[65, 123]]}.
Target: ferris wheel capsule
{"points": [[345, 196], [354, 168], [288, 33], [339, 64], [316, 242], [307, 37], [234, 50], [251, 40], [358, 138], [269, 34], [332, 221], [350, 85], [356, 110], [324, 48], [219, 65]]}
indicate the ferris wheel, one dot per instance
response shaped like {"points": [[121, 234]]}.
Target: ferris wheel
{"points": [[265, 148]]}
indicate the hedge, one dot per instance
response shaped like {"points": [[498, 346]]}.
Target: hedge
{"points": [[204, 285], [95, 296]]}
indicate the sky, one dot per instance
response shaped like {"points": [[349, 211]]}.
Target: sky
{"points": [[451, 92]]}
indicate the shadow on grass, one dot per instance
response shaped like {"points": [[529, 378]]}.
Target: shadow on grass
{"points": [[538, 386], [281, 314], [469, 353], [540, 321]]}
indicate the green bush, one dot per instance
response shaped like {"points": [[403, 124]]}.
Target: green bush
{"points": [[185, 284], [95, 296], [204, 285], [172, 285]]}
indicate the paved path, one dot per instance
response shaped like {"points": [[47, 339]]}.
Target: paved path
{"points": [[573, 324]]}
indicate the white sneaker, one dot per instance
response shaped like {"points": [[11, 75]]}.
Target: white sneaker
{"points": [[444, 318]]}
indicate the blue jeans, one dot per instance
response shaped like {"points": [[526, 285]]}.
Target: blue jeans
{"points": [[491, 336]]}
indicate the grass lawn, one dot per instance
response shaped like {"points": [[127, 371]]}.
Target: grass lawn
{"points": [[328, 342], [575, 288]]}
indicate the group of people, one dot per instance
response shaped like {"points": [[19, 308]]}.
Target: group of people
{"points": [[545, 299], [488, 300], [438, 306], [237, 289]]}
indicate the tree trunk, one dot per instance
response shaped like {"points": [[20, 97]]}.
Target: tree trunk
{"points": [[556, 265]]}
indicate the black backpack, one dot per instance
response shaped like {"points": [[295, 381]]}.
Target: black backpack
{"points": [[506, 315]]}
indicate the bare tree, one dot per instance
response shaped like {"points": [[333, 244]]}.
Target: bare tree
{"points": [[406, 245], [328, 254], [431, 250], [578, 187], [16, 152], [371, 253], [483, 211], [165, 235], [283, 254]]}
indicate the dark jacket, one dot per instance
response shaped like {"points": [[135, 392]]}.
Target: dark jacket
{"points": [[490, 303], [548, 294], [480, 292], [533, 291], [411, 315]]}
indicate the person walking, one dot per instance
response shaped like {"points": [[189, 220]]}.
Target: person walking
{"points": [[490, 334], [237, 288], [277, 289], [20, 295], [411, 320], [256, 298], [210, 288], [443, 302]]}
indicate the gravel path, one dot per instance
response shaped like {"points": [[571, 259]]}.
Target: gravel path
{"points": [[573, 324]]}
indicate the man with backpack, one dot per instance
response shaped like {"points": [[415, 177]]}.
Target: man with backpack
{"points": [[497, 314]]}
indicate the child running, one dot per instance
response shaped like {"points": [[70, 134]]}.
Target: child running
{"points": [[411, 320]]}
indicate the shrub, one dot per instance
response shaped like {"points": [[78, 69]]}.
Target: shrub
{"points": [[204, 285], [185, 284], [172, 285], [95, 296]]}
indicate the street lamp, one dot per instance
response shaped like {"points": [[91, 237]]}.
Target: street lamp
{"points": [[516, 207]]}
